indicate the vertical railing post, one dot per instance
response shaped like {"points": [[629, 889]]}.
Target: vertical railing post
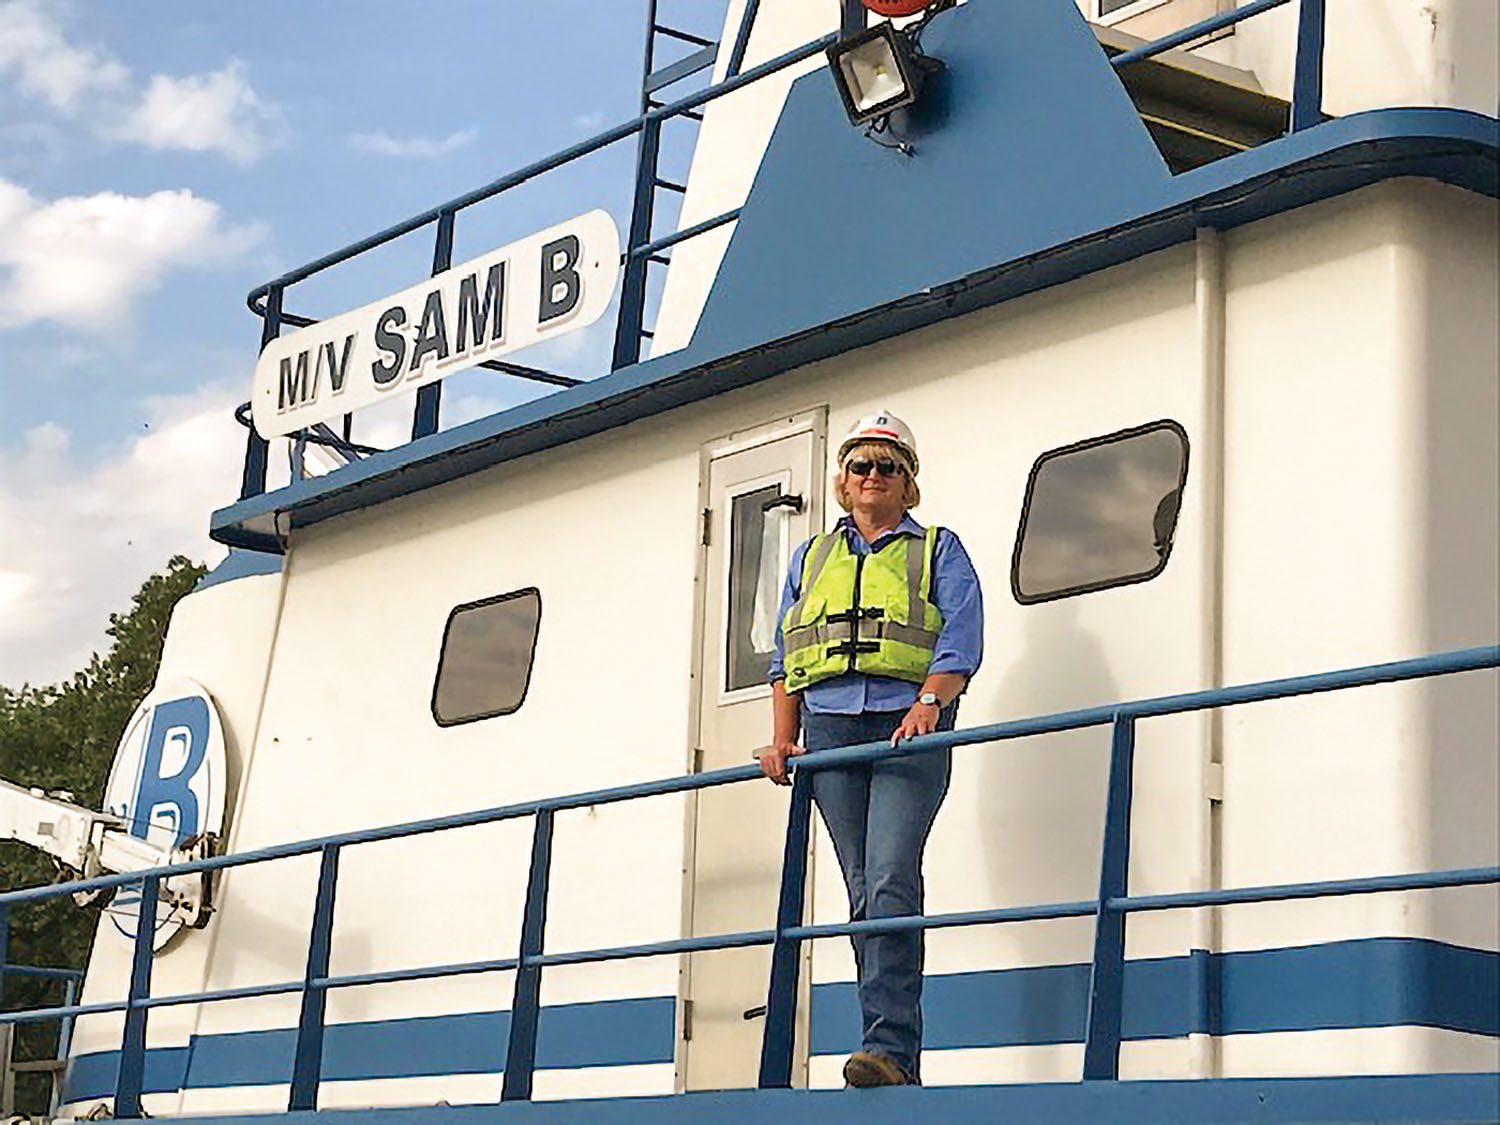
{"points": [[307, 1059], [4, 946], [633, 287], [64, 1046], [1101, 1047], [129, 1083], [852, 16], [253, 482], [525, 1008], [429, 398], [779, 1038], [1307, 81]]}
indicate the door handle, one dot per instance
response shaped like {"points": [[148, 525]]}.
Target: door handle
{"points": [[754, 1013], [785, 500]]}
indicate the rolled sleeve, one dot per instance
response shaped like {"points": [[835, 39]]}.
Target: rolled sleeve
{"points": [[955, 591]]}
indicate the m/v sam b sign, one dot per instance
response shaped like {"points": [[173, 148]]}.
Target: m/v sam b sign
{"points": [[545, 285]]}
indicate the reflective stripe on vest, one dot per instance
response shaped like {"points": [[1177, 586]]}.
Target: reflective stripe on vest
{"points": [[892, 631]]}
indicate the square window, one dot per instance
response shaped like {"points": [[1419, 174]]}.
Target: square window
{"points": [[1100, 513], [485, 664]]}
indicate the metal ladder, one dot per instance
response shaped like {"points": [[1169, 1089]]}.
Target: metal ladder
{"points": [[629, 328]]}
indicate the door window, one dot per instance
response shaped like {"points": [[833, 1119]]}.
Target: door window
{"points": [[757, 563]]}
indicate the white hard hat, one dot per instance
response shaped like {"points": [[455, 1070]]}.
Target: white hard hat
{"points": [[883, 426]]}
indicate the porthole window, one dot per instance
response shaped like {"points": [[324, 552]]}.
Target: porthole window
{"points": [[1100, 513], [485, 664]]}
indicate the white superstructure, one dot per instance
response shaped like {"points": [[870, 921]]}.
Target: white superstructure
{"points": [[1323, 379]]}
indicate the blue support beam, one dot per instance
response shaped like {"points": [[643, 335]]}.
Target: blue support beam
{"points": [[778, 1041], [628, 326], [742, 39], [1101, 1048], [525, 1009], [429, 398], [1307, 80], [307, 1059], [131, 1078]]}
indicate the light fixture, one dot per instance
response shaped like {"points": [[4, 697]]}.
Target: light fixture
{"points": [[877, 70]]}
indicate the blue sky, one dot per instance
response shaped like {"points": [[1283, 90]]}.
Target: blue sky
{"points": [[160, 158]]}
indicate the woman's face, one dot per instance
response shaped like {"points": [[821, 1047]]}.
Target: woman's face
{"points": [[875, 493]]}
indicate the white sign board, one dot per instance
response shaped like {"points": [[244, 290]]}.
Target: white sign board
{"points": [[545, 285]]}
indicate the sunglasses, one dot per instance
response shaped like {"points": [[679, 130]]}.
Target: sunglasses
{"points": [[863, 468]]}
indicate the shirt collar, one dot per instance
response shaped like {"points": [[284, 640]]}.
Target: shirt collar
{"points": [[907, 526]]}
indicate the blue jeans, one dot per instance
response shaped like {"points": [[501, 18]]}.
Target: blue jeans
{"points": [[878, 815]]}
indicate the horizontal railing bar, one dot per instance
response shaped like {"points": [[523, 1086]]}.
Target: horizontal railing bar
{"points": [[390, 976], [685, 36], [535, 374], [244, 992], [1462, 660], [1195, 31], [948, 921], [656, 948], [1329, 888], [43, 971], [530, 171], [1458, 877], [684, 234]]}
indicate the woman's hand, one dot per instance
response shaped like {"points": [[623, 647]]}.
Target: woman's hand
{"points": [[786, 720], [773, 760], [922, 718]]}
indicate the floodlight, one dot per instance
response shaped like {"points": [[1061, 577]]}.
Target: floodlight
{"points": [[877, 70]]}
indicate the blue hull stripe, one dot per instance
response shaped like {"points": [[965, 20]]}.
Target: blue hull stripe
{"points": [[1379, 982]]}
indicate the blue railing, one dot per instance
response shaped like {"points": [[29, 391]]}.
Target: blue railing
{"points": [[267, 300], [1110, 908]]}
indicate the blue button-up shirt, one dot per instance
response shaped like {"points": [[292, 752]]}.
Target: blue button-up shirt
{"points": [[960, 644]]}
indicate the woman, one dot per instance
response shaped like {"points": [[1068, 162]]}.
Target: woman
{"points": [[881, 628]]}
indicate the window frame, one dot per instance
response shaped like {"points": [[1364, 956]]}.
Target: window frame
{"points": [[437, 677], [782, 479], [1077, 447]]}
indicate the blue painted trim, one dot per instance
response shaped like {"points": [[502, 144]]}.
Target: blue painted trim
{"points": [[1378, 982], [1331, 159], [606, 1033], [240, 563]]}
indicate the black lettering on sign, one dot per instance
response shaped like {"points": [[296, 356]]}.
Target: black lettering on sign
{"points": [[432, 336], [387, 339], [472, 314], [561, 285], [336, 366], [297, 387]]}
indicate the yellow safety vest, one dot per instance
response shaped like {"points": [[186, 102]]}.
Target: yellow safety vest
{"points": [[870, 614]]}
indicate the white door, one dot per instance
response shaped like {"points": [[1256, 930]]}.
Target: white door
{"points": [[762, 498]]}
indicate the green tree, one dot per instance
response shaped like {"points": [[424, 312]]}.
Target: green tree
{"points": [[63, 737]]}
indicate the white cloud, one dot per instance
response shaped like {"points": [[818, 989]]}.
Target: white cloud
{"points": [[84, 260], [591, 122], [45, 65], [216, 112], [78, 541], [381, 143]]}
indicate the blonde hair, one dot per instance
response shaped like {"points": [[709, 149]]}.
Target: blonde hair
{"points": [[874, 451]]}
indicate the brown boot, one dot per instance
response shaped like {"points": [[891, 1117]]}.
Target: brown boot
{"points": [[865, 1070]]}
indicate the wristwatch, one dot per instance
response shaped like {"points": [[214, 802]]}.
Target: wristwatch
{"points": [[930, 698]]}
